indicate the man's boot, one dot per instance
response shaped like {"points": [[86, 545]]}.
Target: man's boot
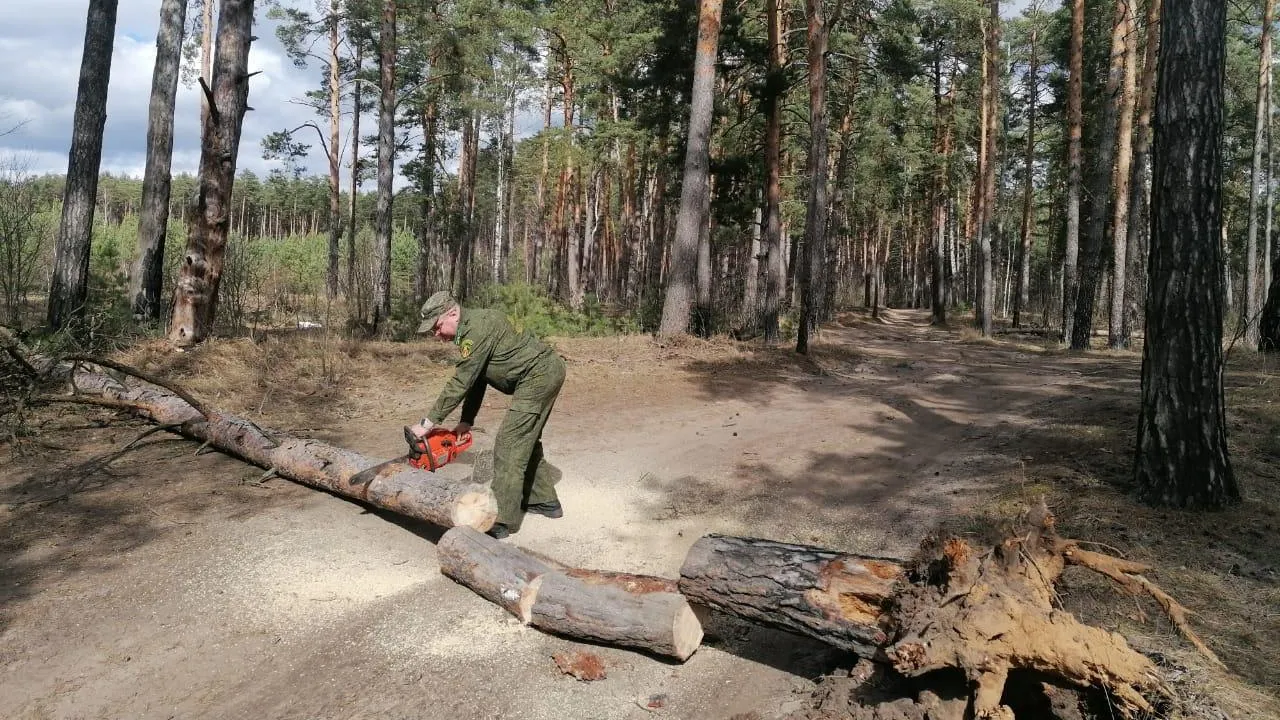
{"points": [[550, 509]]}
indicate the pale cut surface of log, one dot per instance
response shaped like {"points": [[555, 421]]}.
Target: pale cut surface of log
{"points": [[837, 598], [397, 487], [498, 572], [650, 618]]}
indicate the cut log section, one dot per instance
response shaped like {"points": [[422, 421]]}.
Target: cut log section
{"points": [[837, 598], [398, 487], [647, 618], [498, 572], [634, 611]]}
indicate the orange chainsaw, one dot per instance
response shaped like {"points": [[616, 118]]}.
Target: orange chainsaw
{"points": [[439, 448]]}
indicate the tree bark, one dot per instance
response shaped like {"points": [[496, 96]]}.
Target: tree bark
{"points": [[357, 108], [1139, 186], [684, 261], [839, 599], [941, 189], [1182, 457], [334, 151], [1252, 283], [991, 101], [813, 264], [146, 279], [1023, 296], [1101, 176], [380, 310], [1117, 338], [635, 611], [70, 285], [1075, 125], [398, 487], [196, 294], [775, 266]]}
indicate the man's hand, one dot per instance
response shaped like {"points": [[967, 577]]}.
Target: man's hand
{"points": [[462, 428], [422, 428]]}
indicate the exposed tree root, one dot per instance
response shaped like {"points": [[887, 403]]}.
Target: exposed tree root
{"points": [[992, 613]]}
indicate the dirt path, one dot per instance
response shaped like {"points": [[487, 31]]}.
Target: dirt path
{"points": [[175, 586]]}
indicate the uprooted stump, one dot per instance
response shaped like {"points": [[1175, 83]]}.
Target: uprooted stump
{"points": [[987, 618]]}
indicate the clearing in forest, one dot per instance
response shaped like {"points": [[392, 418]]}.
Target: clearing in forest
{"points": [[172, 583]]}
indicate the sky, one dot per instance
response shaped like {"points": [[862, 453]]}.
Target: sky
{"points": [[40, 49]]}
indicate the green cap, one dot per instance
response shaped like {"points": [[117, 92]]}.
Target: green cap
{"points": [[433, 308]]}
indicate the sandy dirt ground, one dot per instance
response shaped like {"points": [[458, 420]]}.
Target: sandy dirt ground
{"points": [[173, 584]]}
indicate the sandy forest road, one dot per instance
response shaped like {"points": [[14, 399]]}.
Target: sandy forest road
{"points": [[172, 587]]}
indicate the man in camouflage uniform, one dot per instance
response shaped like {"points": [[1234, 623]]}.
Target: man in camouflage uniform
{"points": [[494, 354]]}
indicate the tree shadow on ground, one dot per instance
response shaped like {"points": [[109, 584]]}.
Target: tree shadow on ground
{"points": [[982, 429], [66, 513]]}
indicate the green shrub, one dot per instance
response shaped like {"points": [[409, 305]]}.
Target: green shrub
{"points": [[528, 307]]}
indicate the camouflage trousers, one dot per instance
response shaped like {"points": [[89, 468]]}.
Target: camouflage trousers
{"points": [[521, 474]]}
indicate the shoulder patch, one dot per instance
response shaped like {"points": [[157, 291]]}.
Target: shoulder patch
{"points": [[466, 346]]}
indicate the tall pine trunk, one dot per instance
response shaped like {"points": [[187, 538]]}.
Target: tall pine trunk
{"points": [[1023, 296], [1252, 289], [381, 306], [334, 150], [70, 286], [679, 299], [1182, 455], [1117, 338], [775, 267], [146, 279], [985, 300], [1101, 176], [357, 108], [1139, 186], [813, 265], [1075, 126], [195, 297]]}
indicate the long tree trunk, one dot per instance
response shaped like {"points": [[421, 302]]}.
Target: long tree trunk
{"points": [[146, 279], [357, 108], [1182, 457], [1023, 296], [684, 260], [196, 294], [987, 174], [431, 260], [1101, 176], [1075, 125], [941, 190], [813, 265], [1252, 284], [1139, 186], [381, 306], [1117, 338], [335, 150], [206, 54], [70, 286], [775, 267]]}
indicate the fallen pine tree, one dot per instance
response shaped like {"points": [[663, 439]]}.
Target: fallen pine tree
{"points": [[989, 615], [398, 487]]}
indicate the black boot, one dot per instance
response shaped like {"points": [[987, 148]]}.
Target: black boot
{"points": [[547, 509], [499, 531]]}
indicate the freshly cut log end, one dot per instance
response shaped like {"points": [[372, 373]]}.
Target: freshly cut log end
{"points": [[498, 572], [837, 598], [476, 508], [653, 620]]}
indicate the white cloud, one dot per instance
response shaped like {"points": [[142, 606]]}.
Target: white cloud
{"points": [[40, 47]]}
